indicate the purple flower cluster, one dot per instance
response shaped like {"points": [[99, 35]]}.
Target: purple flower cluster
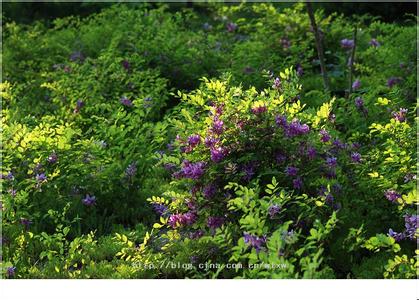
{"points": [[311, 152], [392, 195], [161, 209], [258, 110], [125, 101], [356, 84], [356, 157], [52, 159], [194, 140], [89, 200], [9, 176], [359, 102], [218, 126], [331, 162], [26, 223], [324, 136], [215, 222], [191, 170], [411, 229], [254, 241], [400, 115], [79, 106], [10, 271], [209, 191], [177, 220], [393, 81], [286, 43], [273, 210], [347, 44], [297, 183], [231, 27], [40, 178], [218, 154], [126, 65], [210, 141], [374, 43], [291, 171], [131, 170], [277, 84], [292, 129], [249, 171]]}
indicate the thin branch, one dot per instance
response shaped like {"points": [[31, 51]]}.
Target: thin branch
{"points": [[351, 62], [319, 45]]}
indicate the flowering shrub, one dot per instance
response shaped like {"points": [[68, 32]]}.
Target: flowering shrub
{"points": [[256, 173]]}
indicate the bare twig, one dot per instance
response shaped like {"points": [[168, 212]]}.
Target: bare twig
{"points": [[319, 45]]}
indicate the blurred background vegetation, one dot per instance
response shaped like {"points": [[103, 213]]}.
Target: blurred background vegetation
{"points": [[27, 12]]}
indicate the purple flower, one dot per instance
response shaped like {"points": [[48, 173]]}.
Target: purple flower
{"points": [[397, 236], [194, 140], [126, 65], [410, 176], [281, 121], [311, 152], [218, 126], [89, 200], [77, 56], [9, 176], [26, 223], [12, 192], [254, 241], [40, 178], [331, 162], [131, 170], [392, 195], [273, 210], [125, 101], [209, 191], [217, 154], [280, 158], [79, 105], [400, 115], [10, 271], [347, 44], [393, 81], [215, 222], [291, 171], [300, 70], [286, 43], [231, 27], [52, 159], [257, 110], [277, 84], [196, 234], [356, 157], [210, 141], [296, 128], [356, 84], [175, 220], [411, 224], [297, 183], [191, 170], [359, 102], [325, 136], [161, 209], [374, 43], [249, 171]]}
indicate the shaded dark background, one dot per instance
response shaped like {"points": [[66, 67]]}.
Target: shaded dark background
{"points": [[28, 12]]}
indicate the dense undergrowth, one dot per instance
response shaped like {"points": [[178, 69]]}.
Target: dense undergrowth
{"points": [[145, 143]]}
